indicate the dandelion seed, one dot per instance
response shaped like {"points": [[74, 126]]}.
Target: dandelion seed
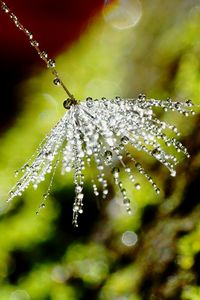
{"points": [[99, 130]]}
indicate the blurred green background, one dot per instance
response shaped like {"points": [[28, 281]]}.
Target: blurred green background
{"points": [[127, 48]]}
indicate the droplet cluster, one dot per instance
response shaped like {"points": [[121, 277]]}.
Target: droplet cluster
{"points": [[104, 133]]}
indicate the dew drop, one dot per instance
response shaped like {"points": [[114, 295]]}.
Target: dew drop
{"points": [[35, 186], [129, 211], [80, 196], [173, 173], [49, 155], [56, 81], [137, 186], [126, 202], [115, 172], [108, 156], [123, 192], [75, 208], [105, 192], [34, 43], [68, 103], [189, 103], [27, 167], [51, 63], [89, 102], [79, 188], [157, 191], [128, 170], [5, 8], [45, 196], [68, 169], [156, 153], [124, 140], [44, 55]]}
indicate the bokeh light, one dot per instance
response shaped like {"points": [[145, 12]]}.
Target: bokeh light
{"points": [[129, 238], [122, 14]]}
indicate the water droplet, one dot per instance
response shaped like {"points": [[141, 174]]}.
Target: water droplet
{"points": [[115, 172], [34, 43], [27, 167], [156, 153], [128, 155], [137, 186], [80, 196], [75, 208], [11, 193], [123, 191], [129, 211], [189, 103], [105, 192], [168, 143], [185, 113], [56, 81], [128, 170], [68, 103], [51, 63], [44, 55], [68, 169], [126, 201], [157, 191], [124, 140], [35, 186], [100, 167], [89, 102], [108, 156], [173, 173], [79, 188], [142, 97], [5, 8]]}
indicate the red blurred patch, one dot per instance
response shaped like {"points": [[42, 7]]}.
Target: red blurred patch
{"points": [[55, 24]]}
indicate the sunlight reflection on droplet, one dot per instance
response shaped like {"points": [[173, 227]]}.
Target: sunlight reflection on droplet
{"points": [[122, 14], [129, 238]]}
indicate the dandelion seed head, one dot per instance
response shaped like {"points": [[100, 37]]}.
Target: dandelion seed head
{"points": [[103, 132]]}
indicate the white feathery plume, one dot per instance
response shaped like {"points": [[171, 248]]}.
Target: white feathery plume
{"points": [[98, 132]]}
